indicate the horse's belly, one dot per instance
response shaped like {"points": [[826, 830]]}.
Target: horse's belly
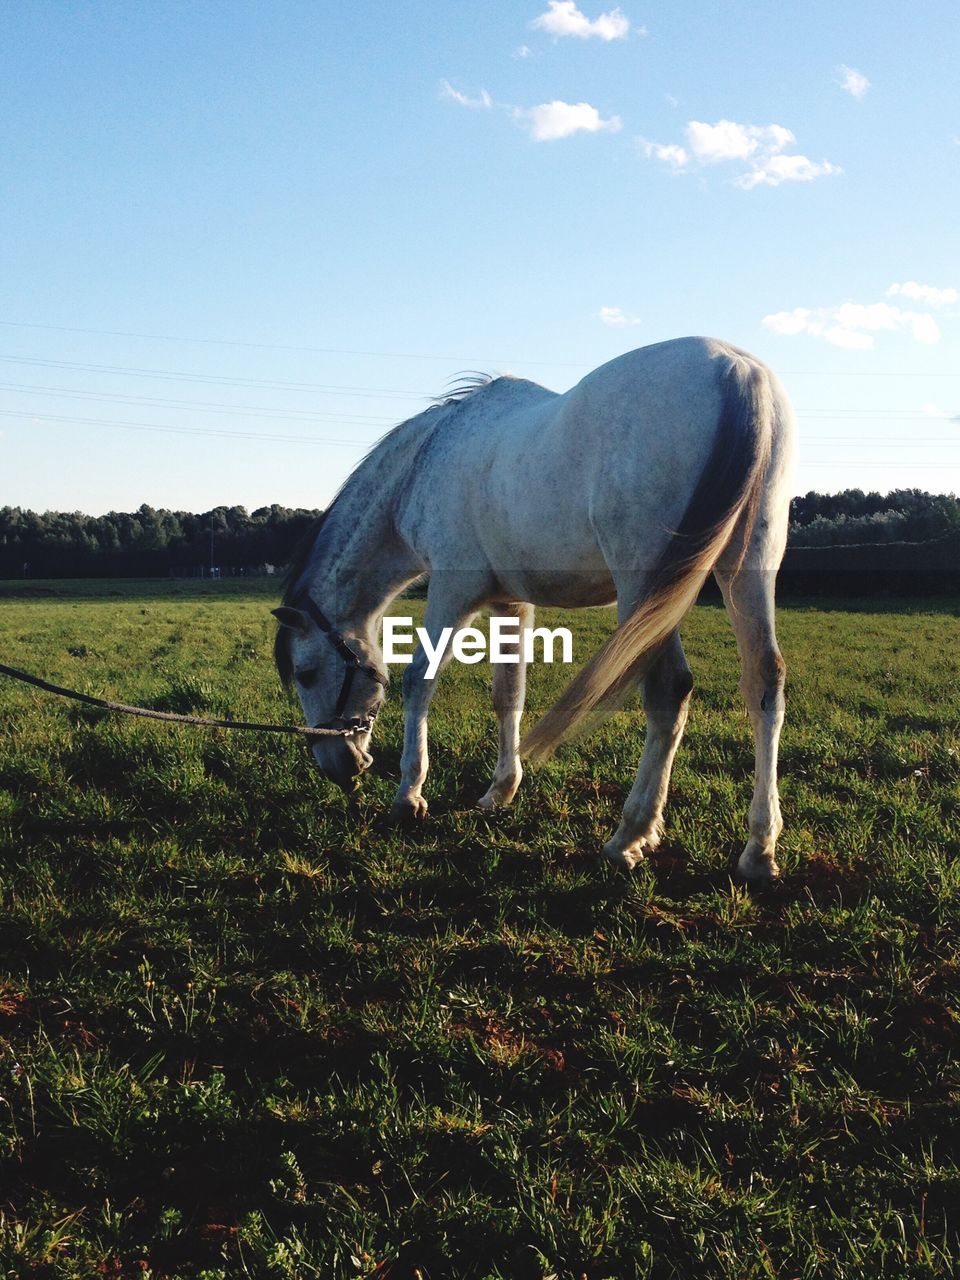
{"points": [[556, 588], [545, 552]]}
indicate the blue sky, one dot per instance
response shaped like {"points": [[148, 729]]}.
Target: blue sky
{"points": [[324, 212]]}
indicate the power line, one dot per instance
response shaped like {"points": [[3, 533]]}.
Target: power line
{"points": [[279, 346], [171, 375], [423, 355], [865, 373], [883, 444], [206, 406], [57, 419], [265, 411], [859, 465], [333, 389], [884, 415]]}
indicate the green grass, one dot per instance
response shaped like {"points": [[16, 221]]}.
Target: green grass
{"points": [[243, 1033]]}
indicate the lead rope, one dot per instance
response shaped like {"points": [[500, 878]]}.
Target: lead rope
{"points": [[171, 717]]}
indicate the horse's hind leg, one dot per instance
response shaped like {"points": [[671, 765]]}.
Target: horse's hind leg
{"points": [[509, 688], [749, 599], [666, 701]]}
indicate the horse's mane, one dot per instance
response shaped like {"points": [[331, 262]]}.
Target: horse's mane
{"points": [[301, 554], [461, 388]]}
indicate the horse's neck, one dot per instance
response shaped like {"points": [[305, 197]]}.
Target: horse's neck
{"points": [[359, 562]]}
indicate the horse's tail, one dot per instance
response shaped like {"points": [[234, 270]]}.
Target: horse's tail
{"points": [[729, 489]]}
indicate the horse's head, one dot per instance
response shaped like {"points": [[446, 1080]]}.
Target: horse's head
{"points": [[339, 684]]}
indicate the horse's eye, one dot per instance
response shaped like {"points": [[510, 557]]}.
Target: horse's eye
{"points": [[306, 678]]}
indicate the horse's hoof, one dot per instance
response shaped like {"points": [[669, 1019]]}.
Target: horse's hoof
{"points": [[626, 858], [493, 800], [501, 790], [756, 873], [408, 813]]}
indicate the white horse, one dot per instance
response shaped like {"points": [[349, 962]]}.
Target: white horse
{"points": [[661, 466]]}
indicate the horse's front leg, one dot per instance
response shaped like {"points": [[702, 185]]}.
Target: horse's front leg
{"points": [[450, 606], [509, 689], [409, 804]]}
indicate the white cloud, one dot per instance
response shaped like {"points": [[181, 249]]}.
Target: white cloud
{"points": [[522, 52], [448, 91], [852, 325], [934, 411], [616, 316], [762, 148], [548, 121], [873, 315], [837, 336], [553, 120], [853, 82], [788, 322], [563, 18], [927, 293], [669, 152], [727, 140], [777, 169], [925, 328]]}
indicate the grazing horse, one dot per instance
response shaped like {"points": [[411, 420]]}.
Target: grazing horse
{"points": [[662, 466]]}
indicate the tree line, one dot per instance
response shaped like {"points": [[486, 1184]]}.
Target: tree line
{"points": [[903, 543], [906, 540], [854, 517], [148, 542]]}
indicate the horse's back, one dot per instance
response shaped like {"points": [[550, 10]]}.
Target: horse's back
{"points": [[575, 483]]}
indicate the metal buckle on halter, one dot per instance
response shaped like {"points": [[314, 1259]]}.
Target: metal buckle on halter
{"points": [[356, 724], [349, 656]]}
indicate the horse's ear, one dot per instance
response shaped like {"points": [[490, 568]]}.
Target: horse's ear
{"points": [[294, 619]]}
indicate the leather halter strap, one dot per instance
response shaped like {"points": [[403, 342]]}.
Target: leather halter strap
{"points": [[352, 662]]}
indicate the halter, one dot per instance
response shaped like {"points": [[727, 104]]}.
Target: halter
{"points": [[353, 663]]}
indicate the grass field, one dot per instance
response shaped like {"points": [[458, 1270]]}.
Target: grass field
{"points": [[245, 1034]]}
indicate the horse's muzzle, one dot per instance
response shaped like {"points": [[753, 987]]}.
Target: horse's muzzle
{"points": [[341, 760]]}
